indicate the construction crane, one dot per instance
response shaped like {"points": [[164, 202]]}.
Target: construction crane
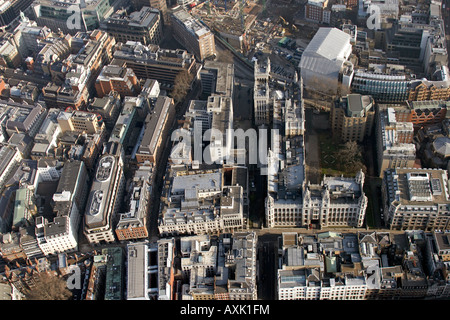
{"points": [[284, 21]]}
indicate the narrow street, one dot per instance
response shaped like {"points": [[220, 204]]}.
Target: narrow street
{"points": [[268, 265], [153, 212]]}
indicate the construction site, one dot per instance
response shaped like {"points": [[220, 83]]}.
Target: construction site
{"points": [[251, 25], [234, 21]]}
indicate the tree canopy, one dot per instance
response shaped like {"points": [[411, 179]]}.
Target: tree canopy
{"points": [[49, 288]]}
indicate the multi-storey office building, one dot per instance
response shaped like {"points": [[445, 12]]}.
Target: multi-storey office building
{"points": [[220, 111], [118, 79], [216, 113], [74, 77], [160, 5], [72, 17], [337, 202], [49, 170], [23, 91], [124, 124], [194, 35], [418, 42], [305, 284], [357, 266], [51, 50], [155, 134], [142, 26], [64, 97], [423, 113], [197, 271], [61, 234], [27, 35], [212, 268], [20, 174], [9, 54], [416, 199], [197, 202], [314, 11], [21, 118], [10, 159], [386, 88], [217, 78], [146, 264], [441, 240], [80, 121], [107, 107], [166, 251], [94, 51], [421, 90], [352, 117], [435, 55], [395, 148], [133, 224], [105, 196], [152, 62], [292, 113], [243, 285], [284, 200], [11, 10], [405, 43]]}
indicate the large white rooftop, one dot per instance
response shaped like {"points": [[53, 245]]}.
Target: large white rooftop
{"points": [[200, 181], [327, 51]]}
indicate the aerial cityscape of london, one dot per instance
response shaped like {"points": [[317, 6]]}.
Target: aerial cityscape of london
{"points": [[198, 150]]}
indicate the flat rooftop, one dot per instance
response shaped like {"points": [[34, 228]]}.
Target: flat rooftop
{"points": [[200, 181], [419, 186], [137, 271], [443, 240]]}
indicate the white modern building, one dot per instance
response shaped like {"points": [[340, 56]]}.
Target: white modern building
{"points": [[325, 65]]}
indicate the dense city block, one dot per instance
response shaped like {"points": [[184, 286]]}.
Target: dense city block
{"points": [[224, 150]]}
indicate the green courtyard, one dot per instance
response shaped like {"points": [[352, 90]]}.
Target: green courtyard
{"points": [[335, 159]]}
